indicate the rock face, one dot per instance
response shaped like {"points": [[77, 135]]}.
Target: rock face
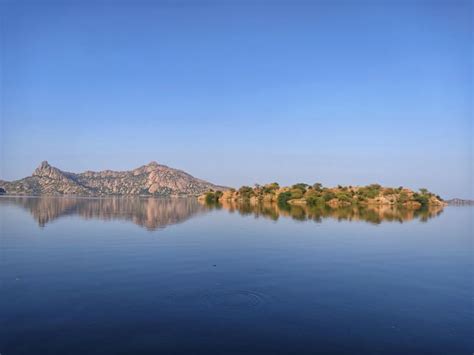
{"points": [[151, 179]]}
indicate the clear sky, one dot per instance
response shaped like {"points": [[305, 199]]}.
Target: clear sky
{"points": [[242, 92]]}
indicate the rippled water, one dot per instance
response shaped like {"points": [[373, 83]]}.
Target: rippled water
{"points": [[173, 276]]}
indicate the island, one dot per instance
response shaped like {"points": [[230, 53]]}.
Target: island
{"points": [[318, 195]]}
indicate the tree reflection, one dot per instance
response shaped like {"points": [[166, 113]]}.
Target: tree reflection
{"points": [[370, 214]]}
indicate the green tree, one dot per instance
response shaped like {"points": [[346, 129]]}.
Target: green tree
{"points": [[328, 195], [424, 191], [246, 192], [284, 197], [296, 193], [300, 186], [318, 186]]}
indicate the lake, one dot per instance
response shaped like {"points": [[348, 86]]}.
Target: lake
{"points": [[174, 276]]}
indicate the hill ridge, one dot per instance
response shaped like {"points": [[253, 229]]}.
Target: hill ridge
{"points": [[151, 179]]}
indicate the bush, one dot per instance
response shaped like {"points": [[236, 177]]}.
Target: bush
{"points": [[389, 191], [371, 191], [284, 197], [318, 186], [211, 197], [270, 188], [301, 186], [315, 200], [296, 193], [328, 195], [374, 187], [343, 196], [403, 197], [422, 199], [246, 192]]}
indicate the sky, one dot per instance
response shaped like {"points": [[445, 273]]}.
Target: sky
{"points": [[242, 92]]}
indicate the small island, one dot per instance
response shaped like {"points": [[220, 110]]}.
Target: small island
{"points": [[318, 195]]}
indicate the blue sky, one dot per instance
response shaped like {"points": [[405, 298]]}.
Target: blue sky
{"points": [[341, 92]]}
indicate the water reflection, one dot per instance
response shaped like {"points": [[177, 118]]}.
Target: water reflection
{"points": [[155, 213], [151, 213], [370, 214]]}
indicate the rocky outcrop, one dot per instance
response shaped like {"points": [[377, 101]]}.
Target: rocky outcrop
{"points": [[151, 179]]}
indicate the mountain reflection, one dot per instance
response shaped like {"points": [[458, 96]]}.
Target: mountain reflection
{"points": [[155, 213], [151, 213], [370, 214]]}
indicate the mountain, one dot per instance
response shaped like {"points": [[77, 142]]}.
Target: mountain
{"points": [[460, 202], [151, 179]]}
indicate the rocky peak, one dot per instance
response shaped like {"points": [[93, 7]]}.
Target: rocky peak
{"points": [[46, 170], [150, 179], [44, 165]]}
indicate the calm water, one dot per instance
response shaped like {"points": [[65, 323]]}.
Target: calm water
{"points": [[133, 276]]}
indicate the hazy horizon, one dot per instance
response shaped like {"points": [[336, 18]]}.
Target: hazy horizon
{"points": [[242, 93]]}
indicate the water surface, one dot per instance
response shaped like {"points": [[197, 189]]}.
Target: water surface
{"points": [[172, 276]]}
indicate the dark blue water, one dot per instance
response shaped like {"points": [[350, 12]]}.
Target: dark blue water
{"points": [[164, 277]]}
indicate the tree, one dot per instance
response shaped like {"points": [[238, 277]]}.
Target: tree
{"points": [[246, 192], [284, 197], [300, 186], [296, 193], [270, 188], [211, 197], [318, 186], [422, 199], [328, 195]]}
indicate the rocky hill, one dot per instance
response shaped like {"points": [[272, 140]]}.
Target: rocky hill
{"points": [[460, 202], [151, 179]]}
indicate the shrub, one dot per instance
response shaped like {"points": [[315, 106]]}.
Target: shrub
{"points": [[374, 186], [389, 191], [318, 186], [343, 196], [402, 197], [211, 197], [270, 188], [296, 193], [284, 197], [328, 195], [422, 199], [246, 192], [424, 191], [316, 201], [301, 186]]}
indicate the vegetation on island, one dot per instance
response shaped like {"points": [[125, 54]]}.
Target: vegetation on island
{"points": [[318, 195]]}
